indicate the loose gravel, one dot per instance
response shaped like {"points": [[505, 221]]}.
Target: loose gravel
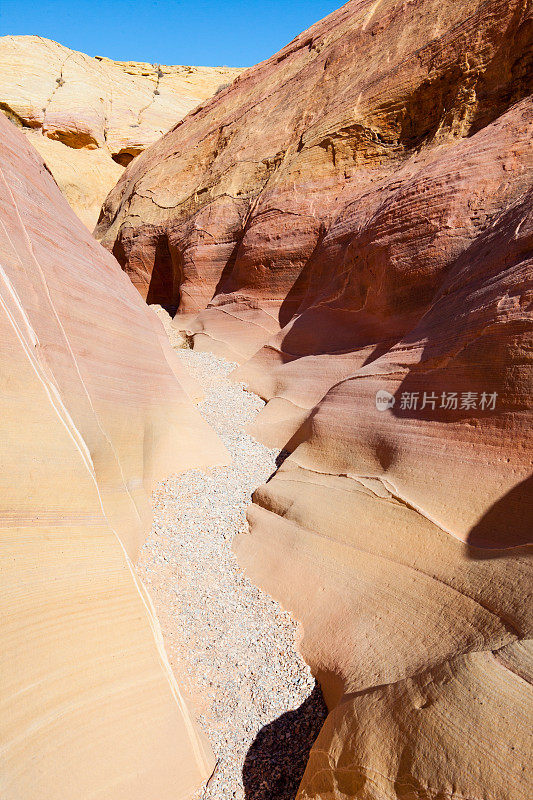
{"points": [[232, 646]]}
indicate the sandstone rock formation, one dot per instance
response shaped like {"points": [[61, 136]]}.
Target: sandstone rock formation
{"points": [[91, 414], [349, 218], [88, 117]]}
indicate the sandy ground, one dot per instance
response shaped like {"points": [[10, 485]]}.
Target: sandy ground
{"points": [[231, 646]]}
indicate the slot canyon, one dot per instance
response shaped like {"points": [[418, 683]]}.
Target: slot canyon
{"points": [[266, 389]]}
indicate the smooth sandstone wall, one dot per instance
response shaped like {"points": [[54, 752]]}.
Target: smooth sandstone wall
{"points": [[91, 414]]}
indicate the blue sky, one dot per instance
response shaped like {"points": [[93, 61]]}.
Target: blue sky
{"points": [[234, 33]]}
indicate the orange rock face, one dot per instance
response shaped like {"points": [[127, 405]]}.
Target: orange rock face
{"points": [[91, 415], [88, 117], [351, 221]]}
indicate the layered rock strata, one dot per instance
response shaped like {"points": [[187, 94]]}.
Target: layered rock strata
{"points": [[91, 414], [89, 117]]}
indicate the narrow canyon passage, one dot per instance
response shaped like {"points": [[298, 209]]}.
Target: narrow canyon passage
{"points": [[232, 647]]}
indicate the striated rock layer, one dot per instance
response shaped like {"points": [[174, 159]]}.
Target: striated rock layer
{"points": [[91, 414], [89, 117], [352, 221]]}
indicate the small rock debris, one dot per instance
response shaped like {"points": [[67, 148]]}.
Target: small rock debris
{"points": [[232, 646]]}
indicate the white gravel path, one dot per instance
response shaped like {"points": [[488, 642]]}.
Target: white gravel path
{"points": [[231, 645]]}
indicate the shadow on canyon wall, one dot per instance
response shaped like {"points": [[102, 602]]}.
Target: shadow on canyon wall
{"points": [[276, 760], [512, 514]]}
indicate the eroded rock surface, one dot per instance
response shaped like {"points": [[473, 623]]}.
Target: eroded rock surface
{"points": [[353, 217], [89, 117], [91, 415]]}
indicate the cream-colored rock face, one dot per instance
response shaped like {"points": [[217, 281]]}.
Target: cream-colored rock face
{"points": [[88, 117], [91, 413]]}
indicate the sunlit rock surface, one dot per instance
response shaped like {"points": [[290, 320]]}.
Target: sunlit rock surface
{"points": [[88, 117], [91, 414]]}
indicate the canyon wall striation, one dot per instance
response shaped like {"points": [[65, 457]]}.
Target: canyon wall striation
{"points": [[92, 413], [351, 221], [89, 117]]}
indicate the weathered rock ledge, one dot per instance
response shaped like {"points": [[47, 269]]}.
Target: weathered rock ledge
{"points": [[89, 117]]}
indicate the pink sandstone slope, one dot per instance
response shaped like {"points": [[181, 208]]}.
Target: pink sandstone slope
{"points": [[91, 415]]}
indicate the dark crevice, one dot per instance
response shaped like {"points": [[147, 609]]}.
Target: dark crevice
{"points": [[126, 155], [280, 458], [165, 280]]}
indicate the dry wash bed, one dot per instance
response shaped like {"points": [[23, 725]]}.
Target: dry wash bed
{"points": [[231, 645]]}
